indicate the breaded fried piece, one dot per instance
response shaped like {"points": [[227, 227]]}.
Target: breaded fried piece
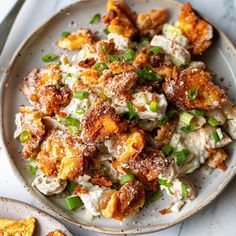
{"points": [[150, 163], [99, 123], [127, 147], [209, 97], [87, 63], [90, 78], [101, 180], [167, 71], [30, 120], [104, 49], [40, 90], [217, 159], [140, 60], [76, 40], [125, 202], [118, 84], [120, 19], [64, 156], [165, 132], [150, 24], [197, 30], [55, 233], [121, 66]]}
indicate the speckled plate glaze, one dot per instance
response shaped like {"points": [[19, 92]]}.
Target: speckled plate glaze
{"points": [[16, 210], [220, 58]]}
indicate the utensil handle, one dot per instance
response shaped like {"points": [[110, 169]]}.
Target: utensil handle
{"points": [[7, 23]]}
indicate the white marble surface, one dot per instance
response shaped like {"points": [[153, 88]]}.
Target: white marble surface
{"points": [[217, 219]]}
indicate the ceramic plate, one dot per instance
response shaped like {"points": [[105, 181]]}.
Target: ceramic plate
{"points": [[220, 58], [16, 210]]}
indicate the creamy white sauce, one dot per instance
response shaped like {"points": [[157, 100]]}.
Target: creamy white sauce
{"points": [[231, 128], [121, 42], [19, 128]]}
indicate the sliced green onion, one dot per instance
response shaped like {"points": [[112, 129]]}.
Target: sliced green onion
{"points": [[104, 49], [95, 19], [106, 31], [115, 186], [171, 113], [144, 41], [50, 57], [132, 112], [74, 130], [153, 198], [215, 136], [81, 95], [165, 183], [31, 159], [167, 149], [65, 34], [33, 170], [213, 122], [72, 121], [129, 54], [81, 111], [25, 136], [156, 50], [192, 94], [164, 120], [73, 202], [200, 112], [112, 58], [58, 86], [153, 106], [188, 128], [186, 118], [126, 178], [184, 190], [180, 157], [148, 75], [101, 66], [71, 186]]}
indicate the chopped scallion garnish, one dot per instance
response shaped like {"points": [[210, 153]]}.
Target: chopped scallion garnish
{"points": [[133, 115], [65, 34], [153, 198], [184, 190], [95, 19], [81, 111], [50, 57], [167, 149], [215, 136], [129, 54], [171, 113], [72, 121], [81, 95], [112, 58], [186, 118], [165, 183], [180, 157], [106, 31], [71, 186], [147, 75], [153, 106], [155, 50], [188, 128], [33, 170], [213, 122], [25, 136], [73, 202], [164, 120], [192, 94], [126, 178], [101, 66], [200, 112]]}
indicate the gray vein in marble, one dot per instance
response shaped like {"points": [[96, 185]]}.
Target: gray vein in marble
{"points": [[181, 227]]}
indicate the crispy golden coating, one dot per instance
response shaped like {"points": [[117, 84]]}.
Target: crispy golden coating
{"points": [[90, 78], [125, 202], [197, 30], [127, 147], [121, 67], [40, 90], [12, 227], [55, 233], [99, 123], [167, 71], [104, 49], [120, 19], [150, 163], [150, 23], [115, 85], [31, 120], [140, 60], [87, 63], [64, 156], [76, 40], [101, 180], [209, 97], [217, 159]]}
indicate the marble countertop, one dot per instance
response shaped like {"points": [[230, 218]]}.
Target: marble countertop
{"points": [[217, 219]]}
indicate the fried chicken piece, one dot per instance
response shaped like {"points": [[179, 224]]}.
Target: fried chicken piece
{"points": [[104, 49], [90, 78], [149, 163], [76, 40], [55, 233], [140, 60], [217, 159], [115, 85], [125, 202], [197, 30], [209, 95], [30, 120], [99, 123], [167, 71], [40, 90], [150, 24], [127, 147], [64, 156], [120, 19], [101, 180], [87, 63], [121, 67]]}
